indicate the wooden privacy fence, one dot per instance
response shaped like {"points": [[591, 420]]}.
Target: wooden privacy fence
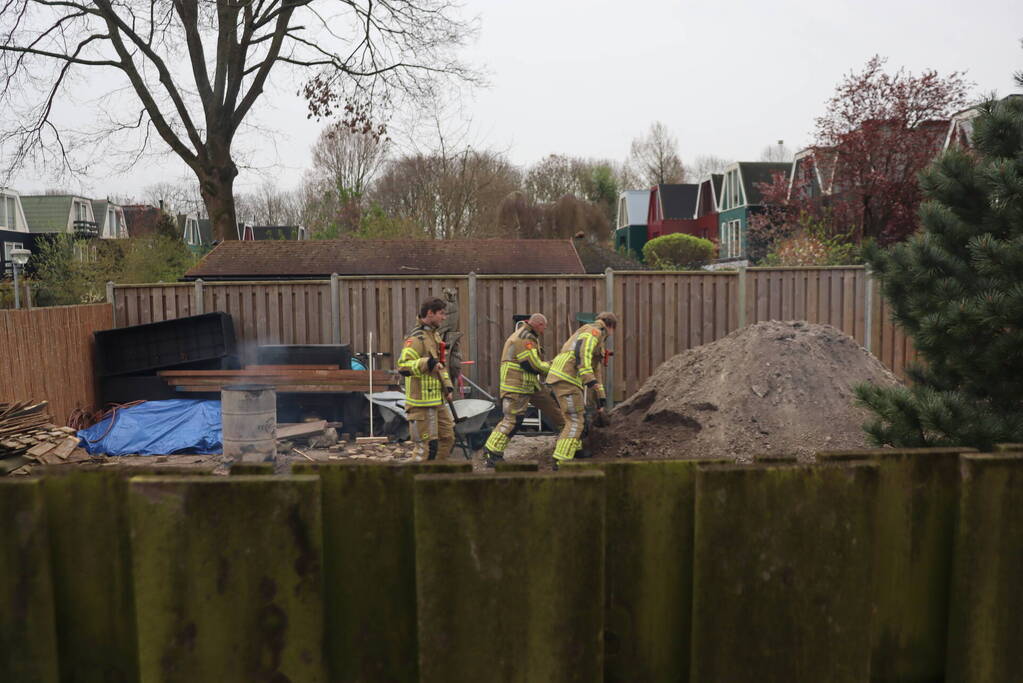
{"points": [[47, 353], [662, 313]]}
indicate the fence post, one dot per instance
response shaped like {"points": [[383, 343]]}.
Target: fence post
{"points": [[110, 300], [472, 331], [335, 309], [199, 305], [28, 295], [742, 297], [609, 299], [868, 310]]}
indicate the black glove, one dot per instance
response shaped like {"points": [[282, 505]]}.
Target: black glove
{"points": [[592, 383], [405, 372], [527, 367], [431, 363]]}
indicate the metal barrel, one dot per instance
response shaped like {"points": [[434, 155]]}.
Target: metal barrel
{"points": [[249, 422]]}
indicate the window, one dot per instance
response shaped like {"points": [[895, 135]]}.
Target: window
{"points": [[111, 228]]}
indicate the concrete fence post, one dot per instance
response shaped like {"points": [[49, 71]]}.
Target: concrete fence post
{"points": [[868, 310], [199, 305], [335, 309], [112, 302], [474, 351], [741, 297], [609, 298]]}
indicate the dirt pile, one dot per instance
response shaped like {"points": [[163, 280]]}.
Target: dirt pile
{"points": [[771, 388]]}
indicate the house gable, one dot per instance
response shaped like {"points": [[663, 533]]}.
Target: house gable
{"points": [[12, 216]]}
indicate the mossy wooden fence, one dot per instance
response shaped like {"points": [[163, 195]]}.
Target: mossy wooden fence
{"points": [[881, 565]]}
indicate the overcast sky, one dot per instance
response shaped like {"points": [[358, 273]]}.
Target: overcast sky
{"points": [[584, 78]]}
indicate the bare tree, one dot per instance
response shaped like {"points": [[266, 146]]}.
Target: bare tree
{"points": [[450, 193], [183, 196], [655, 157], [269, 205], [348, 159], [704, 165], [194, 70], [777, 152]]}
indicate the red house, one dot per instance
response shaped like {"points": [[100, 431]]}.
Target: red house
{"points": [[672, 209]]}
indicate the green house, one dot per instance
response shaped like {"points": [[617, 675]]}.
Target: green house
{"points": [[631, 226], [740, 199]]}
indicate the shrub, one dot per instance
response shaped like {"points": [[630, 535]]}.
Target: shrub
{"points": [[678, 251]]}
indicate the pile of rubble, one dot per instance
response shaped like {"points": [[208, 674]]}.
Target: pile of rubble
{"points": [[28, 435]]}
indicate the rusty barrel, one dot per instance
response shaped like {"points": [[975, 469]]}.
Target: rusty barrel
{"points": [[249, 422]]}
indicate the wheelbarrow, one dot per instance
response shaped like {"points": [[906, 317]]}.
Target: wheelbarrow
{"points": [[472, 411]]}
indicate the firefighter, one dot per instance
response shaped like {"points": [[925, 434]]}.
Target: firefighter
{"points": [[522, 372], [428, 386], [575, 376]]}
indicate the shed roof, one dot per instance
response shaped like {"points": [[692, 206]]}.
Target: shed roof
{"points": [[318, 259]]}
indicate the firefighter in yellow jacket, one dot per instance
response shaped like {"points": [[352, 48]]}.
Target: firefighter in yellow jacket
{"points": [[427, 384], [575, 375], [522, 372]]}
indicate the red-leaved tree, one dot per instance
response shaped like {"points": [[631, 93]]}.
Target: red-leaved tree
{"points": [[878, 131]]}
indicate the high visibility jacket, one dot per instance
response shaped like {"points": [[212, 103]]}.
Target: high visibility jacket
{"points": [[423, 387], [522, 362], [581, 359]]}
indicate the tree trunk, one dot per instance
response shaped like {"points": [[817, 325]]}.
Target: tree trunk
{"points": [[217, 188]]}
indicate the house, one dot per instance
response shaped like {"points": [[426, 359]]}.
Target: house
{"points": [[317, 260], [143, 219], [671, 209], [60, 214], [813, 173], [741, 199], [960, 128], [188, 228], [110, 218], [705, 216], [278, 232], [630, 227], [14, 233]]}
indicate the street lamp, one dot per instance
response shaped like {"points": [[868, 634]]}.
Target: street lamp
{"points": [[19, 257]]}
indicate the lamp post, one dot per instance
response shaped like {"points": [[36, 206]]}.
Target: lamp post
{"points": [[19, 257]]}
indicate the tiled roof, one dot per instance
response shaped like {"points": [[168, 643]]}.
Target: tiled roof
{"points": [[596, 259], [318, 259]]}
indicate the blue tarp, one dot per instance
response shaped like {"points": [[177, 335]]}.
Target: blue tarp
{"points": [[158, 428]]}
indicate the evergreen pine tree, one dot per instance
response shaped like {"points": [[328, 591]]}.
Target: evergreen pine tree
{"points": [[956, 287]]}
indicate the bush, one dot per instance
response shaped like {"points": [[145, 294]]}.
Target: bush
{"points": [[678, 252]]}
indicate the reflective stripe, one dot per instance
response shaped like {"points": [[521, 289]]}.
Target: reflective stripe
{"points": [[565, 448]]}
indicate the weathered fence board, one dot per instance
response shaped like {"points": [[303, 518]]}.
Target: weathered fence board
{"points": [[48, 354], [662, 313]]}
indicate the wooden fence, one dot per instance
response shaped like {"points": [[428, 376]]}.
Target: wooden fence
{"points": [[662, 313], [47, 353]]}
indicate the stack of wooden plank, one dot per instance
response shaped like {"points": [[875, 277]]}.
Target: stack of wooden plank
{"points": [[27, 433], [284, 378]]}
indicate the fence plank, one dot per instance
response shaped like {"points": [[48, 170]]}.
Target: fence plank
{"points": [[48, 355]]}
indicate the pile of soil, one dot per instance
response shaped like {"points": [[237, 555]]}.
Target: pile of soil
{"points": [[773, 388]]}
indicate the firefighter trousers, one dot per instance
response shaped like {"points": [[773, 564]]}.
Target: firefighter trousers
{"points": [[573, 405], [432, 430], [513, 407]]}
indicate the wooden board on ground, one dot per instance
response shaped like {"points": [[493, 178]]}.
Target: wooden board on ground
{"points": [[289, 431]]}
